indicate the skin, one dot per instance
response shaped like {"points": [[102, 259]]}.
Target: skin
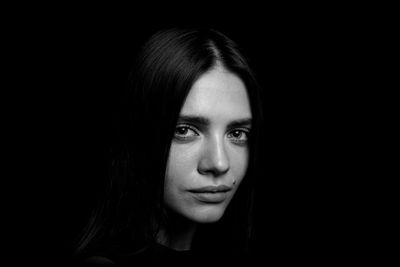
{"points": [[208, 152]]}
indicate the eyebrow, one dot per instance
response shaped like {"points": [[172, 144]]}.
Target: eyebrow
{"points": [[203, 121]]}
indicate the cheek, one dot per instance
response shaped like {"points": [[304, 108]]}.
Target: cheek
{"points": [[180, 166], [239, 163], [179, 176], [180, 160]]}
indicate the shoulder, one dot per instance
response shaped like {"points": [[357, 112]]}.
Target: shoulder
{"points": [[98, 261]]}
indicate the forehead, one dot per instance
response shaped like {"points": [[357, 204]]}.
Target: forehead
{"points": [[218, 94]]}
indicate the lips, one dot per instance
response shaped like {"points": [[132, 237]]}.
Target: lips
{"points": [[211, 194], [211, 189]]}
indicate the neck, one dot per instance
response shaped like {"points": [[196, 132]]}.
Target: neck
{"points": [[178, 233]]}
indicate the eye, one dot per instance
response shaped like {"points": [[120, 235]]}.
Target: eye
{"points": [[239, 136], [185, 132]]}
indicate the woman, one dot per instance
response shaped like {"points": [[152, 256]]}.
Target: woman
{"points": [[182, 177]]}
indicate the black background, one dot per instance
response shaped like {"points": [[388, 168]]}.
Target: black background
{"points": [[312, 70]]}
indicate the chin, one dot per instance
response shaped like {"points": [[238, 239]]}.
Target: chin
{"points": [[207, 215]]}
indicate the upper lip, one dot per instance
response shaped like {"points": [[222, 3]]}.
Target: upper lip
{"points": [[211, 189]]}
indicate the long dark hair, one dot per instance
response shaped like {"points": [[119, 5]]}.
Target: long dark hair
{"points": [[166, 67]]}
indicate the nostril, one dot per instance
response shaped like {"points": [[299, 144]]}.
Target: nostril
{"points": [[215, 168]]}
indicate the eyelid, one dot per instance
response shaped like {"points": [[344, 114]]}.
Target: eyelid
{"points": [[245, 129], [191, 127]]}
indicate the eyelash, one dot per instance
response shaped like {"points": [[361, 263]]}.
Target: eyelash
{"points": [[242, 131], [195, 133], [187, 127]]}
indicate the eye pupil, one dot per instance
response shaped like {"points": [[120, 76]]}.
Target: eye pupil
{"points": [[236, 133], [182, 130]]}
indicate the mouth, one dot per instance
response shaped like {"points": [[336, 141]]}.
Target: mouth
{"points": [[211, 194]]}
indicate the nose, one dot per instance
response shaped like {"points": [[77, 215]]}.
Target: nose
{"points": [[214, 159]]}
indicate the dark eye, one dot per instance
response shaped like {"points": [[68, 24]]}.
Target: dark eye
{"points": [[182, 130], [239, 135], [185, 132]]}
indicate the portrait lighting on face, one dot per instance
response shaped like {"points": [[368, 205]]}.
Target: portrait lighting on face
{"points": [[209, 152]]}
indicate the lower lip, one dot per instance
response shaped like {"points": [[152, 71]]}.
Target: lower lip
{"points": [[209, 197]]}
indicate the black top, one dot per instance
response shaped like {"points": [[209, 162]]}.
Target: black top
{"points": [[161, 255]]}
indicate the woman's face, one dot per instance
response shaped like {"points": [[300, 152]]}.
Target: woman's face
{"points": [[209, 152]]}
